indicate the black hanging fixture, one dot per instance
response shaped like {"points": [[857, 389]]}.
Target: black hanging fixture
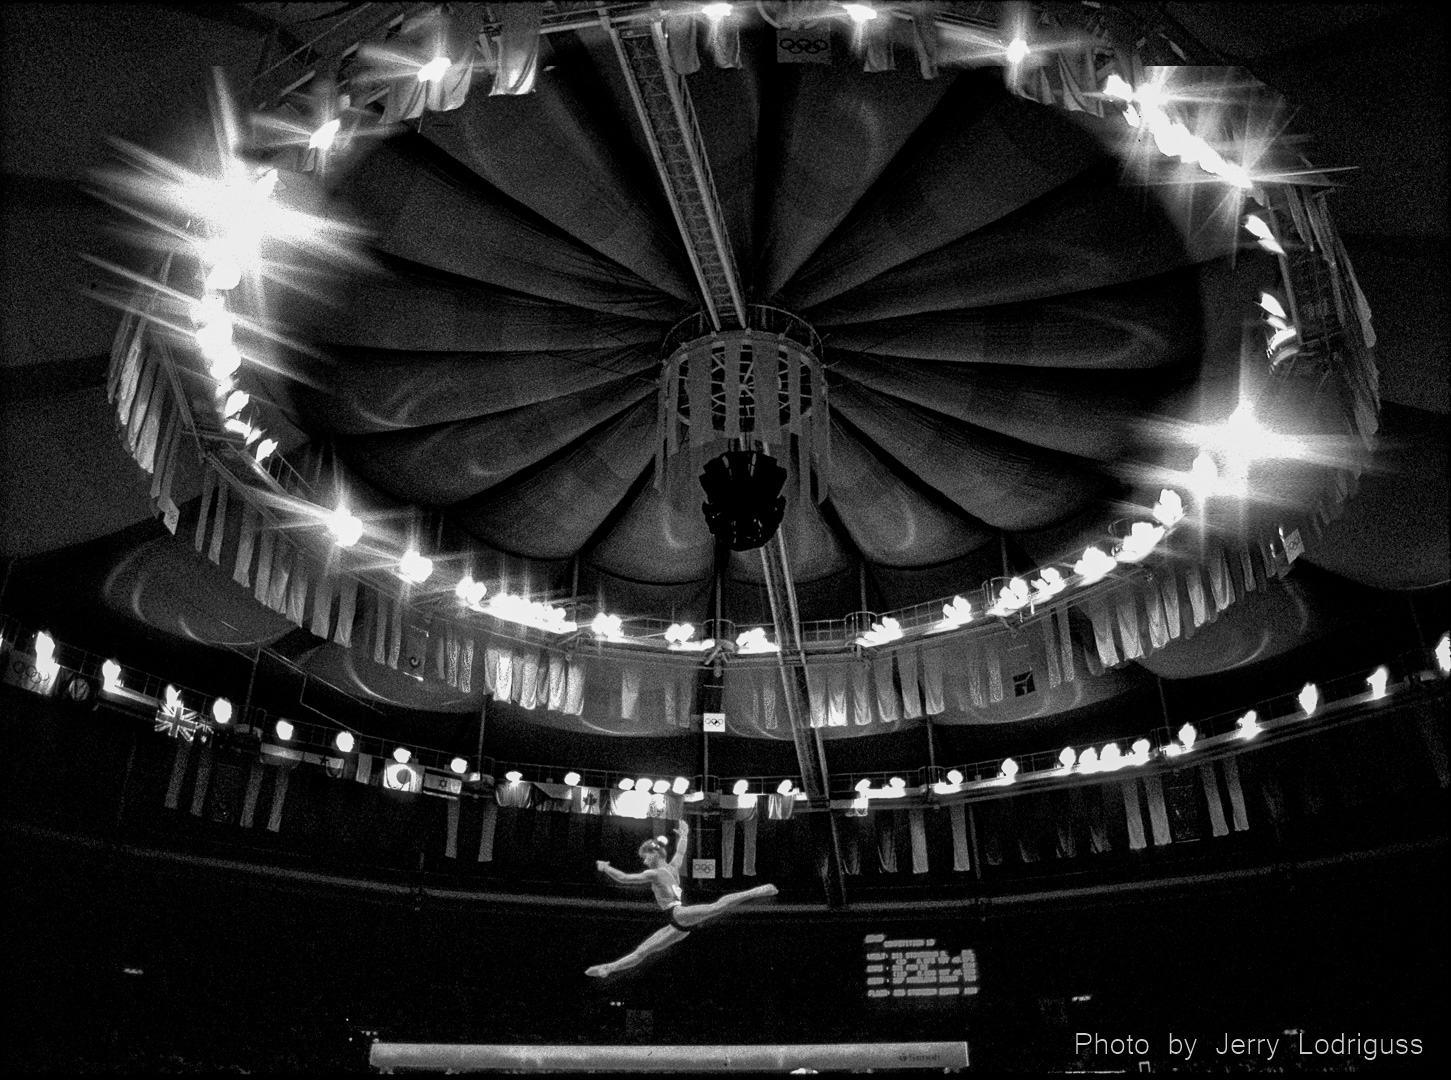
{"points": [[743, 501]]}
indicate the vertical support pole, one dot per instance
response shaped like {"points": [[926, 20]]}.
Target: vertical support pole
{"points": [[972, 839], [479, 745]]}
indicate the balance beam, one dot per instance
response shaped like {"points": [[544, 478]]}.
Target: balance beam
{"points": [[444, 1057]]}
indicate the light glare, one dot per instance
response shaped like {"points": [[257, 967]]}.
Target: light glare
{"points": [[434, 70], [1309, 698], [414, 568], [322, 138]]}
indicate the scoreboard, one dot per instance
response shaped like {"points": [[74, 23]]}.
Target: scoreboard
{"points": [[917, 971]]}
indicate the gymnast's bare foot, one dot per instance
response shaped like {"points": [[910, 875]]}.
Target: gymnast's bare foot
{"points": [[599, 971]]}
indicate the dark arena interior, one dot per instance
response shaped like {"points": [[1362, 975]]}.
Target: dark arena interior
{"points": [[757, 537]]}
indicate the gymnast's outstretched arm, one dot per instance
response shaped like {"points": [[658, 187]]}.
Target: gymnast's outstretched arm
{"points": [[682, 841], [643, 878]]}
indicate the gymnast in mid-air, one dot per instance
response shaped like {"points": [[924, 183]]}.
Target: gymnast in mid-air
{"points": [[663, 877]]}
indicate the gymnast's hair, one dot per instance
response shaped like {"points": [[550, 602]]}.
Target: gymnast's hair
{"points": [[652, 845]]}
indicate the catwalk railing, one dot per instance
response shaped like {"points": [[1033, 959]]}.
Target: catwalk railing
{"points": [[1372, 773]]}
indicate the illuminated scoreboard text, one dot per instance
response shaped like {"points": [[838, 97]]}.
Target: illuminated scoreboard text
{"points": [[923, 970]]}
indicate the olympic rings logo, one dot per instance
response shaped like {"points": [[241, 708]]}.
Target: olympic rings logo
{"points": [[803, 45]]}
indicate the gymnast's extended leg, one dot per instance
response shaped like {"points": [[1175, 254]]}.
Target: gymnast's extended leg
{"points": [[659, 941], [696, 914]]}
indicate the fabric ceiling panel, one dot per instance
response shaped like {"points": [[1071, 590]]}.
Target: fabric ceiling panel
{"points": [[1087, 234], [407, 308], [890, 522], [376, 391], [728, 110], [981, 155], [461, 225], [897, 587], [1004, 482], [1137, 325], [680, 601], [547, 152], [813, 550], [553, 512], [1088, 414], [448, 463], [837, 132], [662, 535]]}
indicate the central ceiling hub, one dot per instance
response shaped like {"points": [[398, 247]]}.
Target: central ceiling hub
{"points": [[761, 388]]}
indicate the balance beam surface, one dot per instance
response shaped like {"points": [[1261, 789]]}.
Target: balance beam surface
{"points": [[442, 1057]]}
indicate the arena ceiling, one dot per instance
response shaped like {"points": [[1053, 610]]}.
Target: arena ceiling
{"points": [[989, 289]]}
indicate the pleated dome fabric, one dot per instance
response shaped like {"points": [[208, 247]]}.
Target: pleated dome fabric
{"points": [[1000, 308]]}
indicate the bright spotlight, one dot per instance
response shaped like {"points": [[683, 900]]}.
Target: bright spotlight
{"points": [[1203, 476], [344, 741], [1443, 654], [513, 776], [225, 274], [414, 567], [896, 783], [627, 783], [1010, 768], [284, 730], [643, 783], [864, 786], [1017, 51], [1067, 757], [741, 787], [1249, 725], [322, 138], [1272, 305], [860, 13], [347, 530], [469, 591], [459, 765], [606, 626], [1378, 679], [784, 787], [264, 449], [954, 776], [1094, 565], [681, 785], [110, 675], [716, 12], [660, 787], [571, 779], [1139, 751], [237, 400], [1111, 756], [1088, 760], [1309, 698], [222, 711], [1187, 735], [401, 756], [434, 70]]}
